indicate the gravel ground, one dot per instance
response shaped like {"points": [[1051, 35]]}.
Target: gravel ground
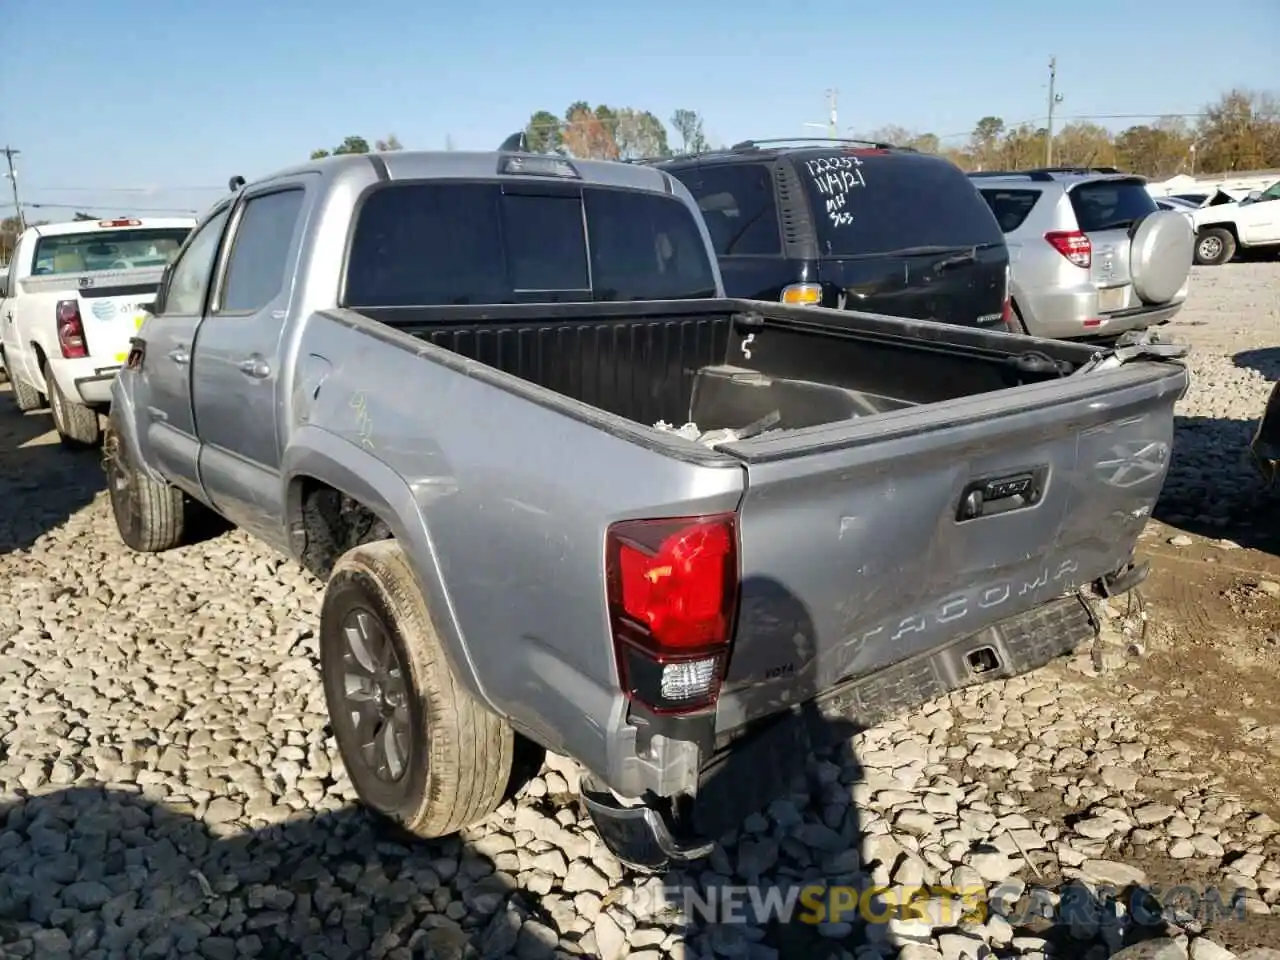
{"points": [[169, 787]]}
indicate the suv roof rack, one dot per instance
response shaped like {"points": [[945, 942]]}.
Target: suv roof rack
{"points": [[1043, 174], [778, 141]]}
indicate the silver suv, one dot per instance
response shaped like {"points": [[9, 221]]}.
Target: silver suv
{"points": [[1091, 255]]}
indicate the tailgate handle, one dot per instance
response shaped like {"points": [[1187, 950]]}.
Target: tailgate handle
{"points": [[992, 496]]}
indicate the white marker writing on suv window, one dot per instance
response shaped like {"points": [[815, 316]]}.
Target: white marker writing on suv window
{"points": [[834, 177]]}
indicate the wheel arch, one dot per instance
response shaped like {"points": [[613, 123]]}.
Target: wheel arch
{"points": [[374, 503]]}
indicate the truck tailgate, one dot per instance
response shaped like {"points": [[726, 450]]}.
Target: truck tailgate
{"points": [[110, 302], [872, 540]]}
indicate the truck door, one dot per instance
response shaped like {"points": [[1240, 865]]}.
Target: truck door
{"points": [[235, 366], [165, 418]]}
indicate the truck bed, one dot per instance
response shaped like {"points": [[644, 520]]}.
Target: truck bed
{"points": [[710, 361]]}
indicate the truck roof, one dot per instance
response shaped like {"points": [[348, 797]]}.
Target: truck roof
{"points": [[118, 223], [451, 164]]}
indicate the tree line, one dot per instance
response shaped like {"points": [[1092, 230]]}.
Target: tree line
{"points": [[1240, 131]]}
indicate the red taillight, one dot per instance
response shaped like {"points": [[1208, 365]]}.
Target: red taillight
{"points": [[120, 223], [1073, 245], [70, 330], [673, 586]]}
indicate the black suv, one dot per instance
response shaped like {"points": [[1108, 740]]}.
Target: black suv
{"points": [[850, 224]]}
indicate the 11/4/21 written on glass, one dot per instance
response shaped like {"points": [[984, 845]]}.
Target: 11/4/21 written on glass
{"points": [[834, 177]]}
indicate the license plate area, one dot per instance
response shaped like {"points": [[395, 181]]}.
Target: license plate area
{"points": [[1111, 299]]}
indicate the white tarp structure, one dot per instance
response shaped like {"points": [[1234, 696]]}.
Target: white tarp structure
{"points": [[1237, 184]]}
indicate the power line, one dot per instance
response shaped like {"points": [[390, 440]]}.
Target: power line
{"points": [[81, 206], [146, 190]]}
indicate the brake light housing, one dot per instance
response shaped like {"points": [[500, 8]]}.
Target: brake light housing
{"points": [[1072, 244], [71, 330], [672, 593]]}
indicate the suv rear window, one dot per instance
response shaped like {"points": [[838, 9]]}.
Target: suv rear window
{"points": [[1010, 206], [1111, 204], [885, 203], [454, 243]]}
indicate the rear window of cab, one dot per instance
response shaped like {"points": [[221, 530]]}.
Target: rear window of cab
{"points": [[441, 243]]}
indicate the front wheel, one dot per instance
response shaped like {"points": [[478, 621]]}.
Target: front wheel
{"points": [[417, 747], [1214, 247], [77, 425], [149, 514]]}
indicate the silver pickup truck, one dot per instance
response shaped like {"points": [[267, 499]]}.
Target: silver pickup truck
{"points": [[437, 380]]}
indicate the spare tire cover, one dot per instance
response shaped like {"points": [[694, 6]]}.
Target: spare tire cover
{"points": [[1160, 255]]}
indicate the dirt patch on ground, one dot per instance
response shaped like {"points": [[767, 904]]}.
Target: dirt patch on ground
{"points": [[1213, 658]]}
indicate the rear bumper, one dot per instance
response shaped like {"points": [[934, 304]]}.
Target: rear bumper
{"points": [[748, 773], [1068, 314], [1266, 441], [86, 380]]}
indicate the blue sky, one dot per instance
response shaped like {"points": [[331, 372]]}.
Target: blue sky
{"points": [[108, 100]]}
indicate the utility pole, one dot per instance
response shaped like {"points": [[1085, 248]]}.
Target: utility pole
{"points": [[833, 125], [1053, 99], [9, 154]]}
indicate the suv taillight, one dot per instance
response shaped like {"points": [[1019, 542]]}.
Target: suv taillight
{"points": [[1073, 245], [806, 293], [70, 330], [673, 588]]}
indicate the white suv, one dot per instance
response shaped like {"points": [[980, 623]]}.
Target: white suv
{"points": [[1090, 252]]}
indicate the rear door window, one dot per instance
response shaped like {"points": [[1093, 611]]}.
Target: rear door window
{"points": [[442, 243], [739, 207], [258, 266], [1010, 207], [871, 203], [1111, 204]]}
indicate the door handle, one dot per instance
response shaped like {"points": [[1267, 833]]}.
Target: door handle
{"points": [[180, 356], [996, 495], [255, 367]]}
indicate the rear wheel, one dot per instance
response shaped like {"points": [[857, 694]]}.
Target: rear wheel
{"points": [[418, 748], [77, 425], [149, 514], [1214, 247], [25, 396]]}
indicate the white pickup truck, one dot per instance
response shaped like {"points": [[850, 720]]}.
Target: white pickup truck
{"points": [[69, 303], [1224, 228]]}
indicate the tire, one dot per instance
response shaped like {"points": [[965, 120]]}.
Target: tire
{"points": [[454, 755], [1214, 246], [25, 396], [77, 425], [1161, 249], [149, 514]]}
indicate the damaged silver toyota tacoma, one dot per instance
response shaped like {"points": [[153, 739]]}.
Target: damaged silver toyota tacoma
{"points": [[436, 381]]}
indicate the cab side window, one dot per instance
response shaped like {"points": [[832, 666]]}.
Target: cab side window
{"points": [[257, 269], [191, 273]]}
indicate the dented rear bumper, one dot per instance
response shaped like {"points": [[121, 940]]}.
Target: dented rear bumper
{"points": [[1266, 441]]}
